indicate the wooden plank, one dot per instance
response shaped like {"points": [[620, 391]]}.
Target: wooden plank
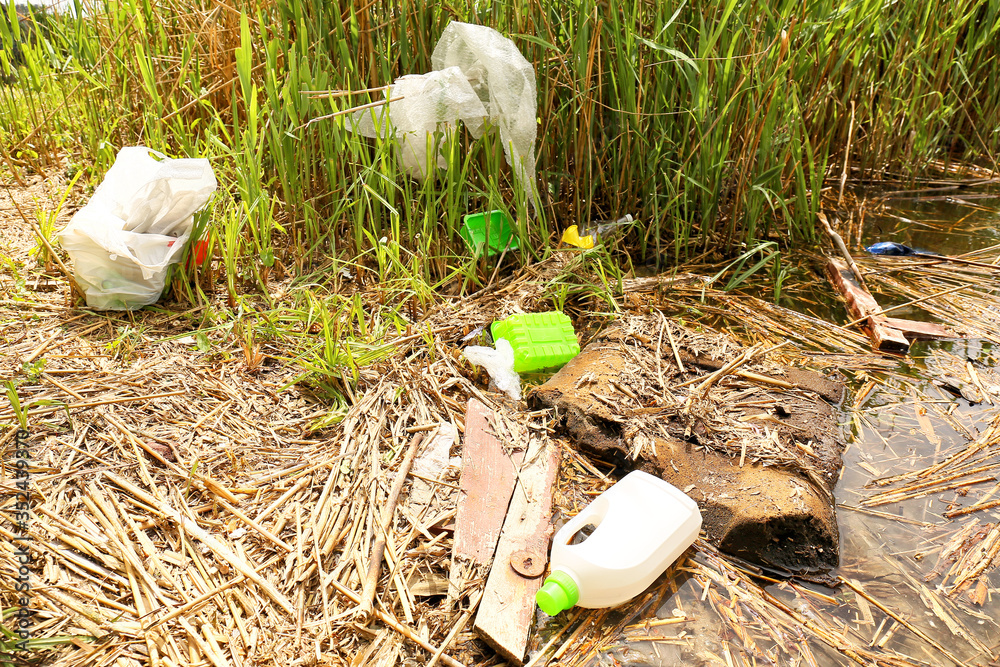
{"points": [[489, 473], [507, 609], [861, 304], [915, 330]]}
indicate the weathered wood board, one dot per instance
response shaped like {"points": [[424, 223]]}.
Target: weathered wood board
{"points": [[507, 609], [861, 304], [489, 473], [915, 330]]}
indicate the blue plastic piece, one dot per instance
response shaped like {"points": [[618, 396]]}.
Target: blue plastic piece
{"points": [[890, 248]]}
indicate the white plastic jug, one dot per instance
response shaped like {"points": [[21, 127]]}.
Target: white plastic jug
{"points": [[642, 525]]}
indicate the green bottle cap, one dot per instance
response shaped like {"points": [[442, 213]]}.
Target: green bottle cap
{"points": [[558, 593]]}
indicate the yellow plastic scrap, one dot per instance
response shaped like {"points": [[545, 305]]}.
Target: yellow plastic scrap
{"points": [[572, 237]]}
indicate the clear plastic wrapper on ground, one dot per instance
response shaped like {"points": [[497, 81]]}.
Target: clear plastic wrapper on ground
{"points": [[435, 453], [432, 463], [135, 226], [499, 363]]}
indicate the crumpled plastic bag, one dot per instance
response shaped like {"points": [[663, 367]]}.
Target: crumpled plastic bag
{"points": [[499, 363], [433, 463], [135, 226], [432, 105], [435, 454], [478, 74], [505, 82]]}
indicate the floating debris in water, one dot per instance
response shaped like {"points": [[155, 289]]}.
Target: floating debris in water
{"points": [[890, 248]]}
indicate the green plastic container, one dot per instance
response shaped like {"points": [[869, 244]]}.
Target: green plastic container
{"points": [[540, 340], [500, 231]]}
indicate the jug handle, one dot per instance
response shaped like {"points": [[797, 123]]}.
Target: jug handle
{"points": [[592, 514]]}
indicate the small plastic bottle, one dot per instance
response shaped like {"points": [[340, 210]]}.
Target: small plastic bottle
{"points": [[642, 524]]}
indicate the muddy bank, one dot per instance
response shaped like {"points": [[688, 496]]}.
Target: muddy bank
{"points": [[754, 443]]}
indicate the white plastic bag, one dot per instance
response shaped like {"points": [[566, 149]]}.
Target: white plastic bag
{"points": [[499, 363], [432, 105], [479, 74], [135, 226], [505, 82]]}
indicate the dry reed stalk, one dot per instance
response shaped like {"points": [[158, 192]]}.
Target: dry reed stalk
{"points": [[712, 378], [342, 112], [398, 627], [856, 587], [937, 606], [456, 628], [341, 93], [886, 515], [839, 244], [926, 488], [747, 375], [44, 241], [217, 547], [92, 404], [989, 548], [972, 508], [912, 302], [192, 605]]}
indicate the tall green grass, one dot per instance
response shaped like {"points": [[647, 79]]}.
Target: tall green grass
{"points": [[715, 124]]}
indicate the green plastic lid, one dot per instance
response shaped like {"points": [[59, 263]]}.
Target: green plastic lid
{"points": [[558, 593]]}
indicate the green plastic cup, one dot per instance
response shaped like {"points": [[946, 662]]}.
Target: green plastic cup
{"points": [[497, 225]]}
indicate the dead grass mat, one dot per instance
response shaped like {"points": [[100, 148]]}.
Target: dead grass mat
{"points": [[186, 512]]}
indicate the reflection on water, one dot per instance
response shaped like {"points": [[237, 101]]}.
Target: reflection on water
{"points": [[907, 422], [952, 223], [905, 417]]}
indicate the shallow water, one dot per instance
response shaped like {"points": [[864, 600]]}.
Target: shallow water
{"points": [[890, 432], [894, 421], [945, 224]]}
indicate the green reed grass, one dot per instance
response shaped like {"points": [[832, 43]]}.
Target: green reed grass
{"points": [[714, 124]]}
